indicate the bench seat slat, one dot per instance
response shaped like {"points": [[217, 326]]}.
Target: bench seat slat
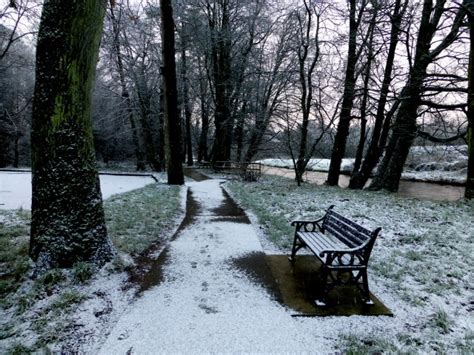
{"points": [[317, 242], [349, 223], [353, 229], [344, 236], [347, 228]]}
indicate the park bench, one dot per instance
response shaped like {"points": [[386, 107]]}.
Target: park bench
{"points": [[342, 246]]}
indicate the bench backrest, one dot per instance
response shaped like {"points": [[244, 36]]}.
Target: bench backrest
{"points": [[347, 231]]}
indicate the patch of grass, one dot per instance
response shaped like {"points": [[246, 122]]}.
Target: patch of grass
{"points": [[19, 349], [51, 321], [26, 301], [6, 330], [466, 344], [14, 260], [67, 300], [138, 218], [50, 278], [442, 321], [83, 271], [351, 344], [413, 255]]}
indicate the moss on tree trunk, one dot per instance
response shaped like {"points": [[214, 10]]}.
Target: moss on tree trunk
{"points": [[68, 223]]}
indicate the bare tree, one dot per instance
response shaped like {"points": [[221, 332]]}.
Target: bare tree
{"points": [[308, 52], [353, 54], [405, 126], [124, 90], [375, 148]]}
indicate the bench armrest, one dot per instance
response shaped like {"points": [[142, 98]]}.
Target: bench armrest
{"points": [[307, 226]]}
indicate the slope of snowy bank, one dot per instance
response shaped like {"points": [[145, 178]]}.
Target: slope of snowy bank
{"points": [[445, 164]]}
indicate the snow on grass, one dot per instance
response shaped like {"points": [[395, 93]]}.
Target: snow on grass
{"points": [[421, 266], [67, 309], [154, 209], [15, 187]]}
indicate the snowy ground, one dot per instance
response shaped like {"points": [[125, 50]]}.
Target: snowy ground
{"points": [[15, 187], [421, 266], [206, 305], [446, 164]]}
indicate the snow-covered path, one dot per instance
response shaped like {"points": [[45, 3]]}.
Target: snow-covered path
{"points": [[204, 303]]}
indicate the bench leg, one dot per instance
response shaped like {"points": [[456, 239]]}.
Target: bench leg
{"points": [[296, 246], [365, 288], [321, 302]]}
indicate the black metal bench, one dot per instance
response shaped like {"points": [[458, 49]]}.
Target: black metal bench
{"points": [[342, 246]]}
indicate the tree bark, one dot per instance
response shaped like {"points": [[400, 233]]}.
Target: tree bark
{"points": [[306, 68], [173, 141], [221, 61], [187, 108], [339, 147], [161, 128], [365, 95], [469, 192], [67, 223], [16, 150], [202, 147]]}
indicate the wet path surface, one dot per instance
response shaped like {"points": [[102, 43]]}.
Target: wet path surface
{"points": [[206, 298], [416, 189]]}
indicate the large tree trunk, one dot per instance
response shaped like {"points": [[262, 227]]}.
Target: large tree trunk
{"points": [[67, 223], [172, 120], [469, 192], [221, 63], [365, 95], [306, 65], [339, 147], [125, 94], [16, 150], [374, 151], [4, 148], [161, 129]]}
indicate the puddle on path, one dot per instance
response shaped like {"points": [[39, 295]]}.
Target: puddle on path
{"points": [[229, 211], [255, 266], [297, 285], [148, 269]]}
